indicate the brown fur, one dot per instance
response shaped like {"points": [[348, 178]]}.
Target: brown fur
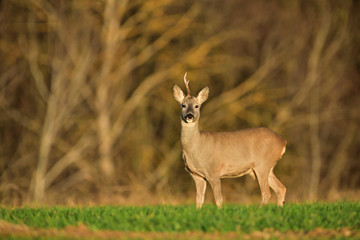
{"points": [[209, 156]]}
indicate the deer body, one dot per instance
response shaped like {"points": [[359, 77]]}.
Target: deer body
{"points": [[210, 156]]}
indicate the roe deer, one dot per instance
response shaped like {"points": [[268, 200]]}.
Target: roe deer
{"points": [[209, 156]]}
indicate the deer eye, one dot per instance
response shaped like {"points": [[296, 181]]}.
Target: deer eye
{"points": [[196, 106], [183, 106]]}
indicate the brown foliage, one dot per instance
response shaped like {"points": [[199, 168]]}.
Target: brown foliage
{"points": [[86, 110]]}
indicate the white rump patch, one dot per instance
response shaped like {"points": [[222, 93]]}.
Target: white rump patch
{"points": [[283, 151]]}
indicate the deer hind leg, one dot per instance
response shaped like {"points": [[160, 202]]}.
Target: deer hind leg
{"points": [[200, 184], [216, 187], [262, 175], [278, 188]]}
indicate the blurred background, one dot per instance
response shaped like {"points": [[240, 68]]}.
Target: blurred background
{"points": [[87, 114]]}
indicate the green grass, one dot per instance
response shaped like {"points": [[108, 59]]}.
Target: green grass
{"points": [[232, 218]]}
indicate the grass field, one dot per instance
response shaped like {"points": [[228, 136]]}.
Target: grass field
{"points": [[313, 220]]}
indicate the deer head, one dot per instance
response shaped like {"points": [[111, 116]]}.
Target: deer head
{"points": [[190, 106]]}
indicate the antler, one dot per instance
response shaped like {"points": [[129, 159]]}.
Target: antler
{"points": [[187, 85]]}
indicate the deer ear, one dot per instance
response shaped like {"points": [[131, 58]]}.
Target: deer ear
{"points": [[203, 95], [178, 93]]}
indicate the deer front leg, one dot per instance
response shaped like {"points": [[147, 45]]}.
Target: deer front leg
{"points": [[216, 187], [200, 184]]}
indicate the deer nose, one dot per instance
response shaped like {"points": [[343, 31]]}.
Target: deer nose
{"points": [[189, 117]]}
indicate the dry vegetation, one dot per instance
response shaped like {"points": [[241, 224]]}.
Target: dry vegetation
{"points": [[86, 107], [83, 232]]}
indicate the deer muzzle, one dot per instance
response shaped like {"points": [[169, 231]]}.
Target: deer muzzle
{"points": [[189, 118]]}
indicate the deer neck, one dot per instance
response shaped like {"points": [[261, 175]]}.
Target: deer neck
{"points": [[190, 134]]}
